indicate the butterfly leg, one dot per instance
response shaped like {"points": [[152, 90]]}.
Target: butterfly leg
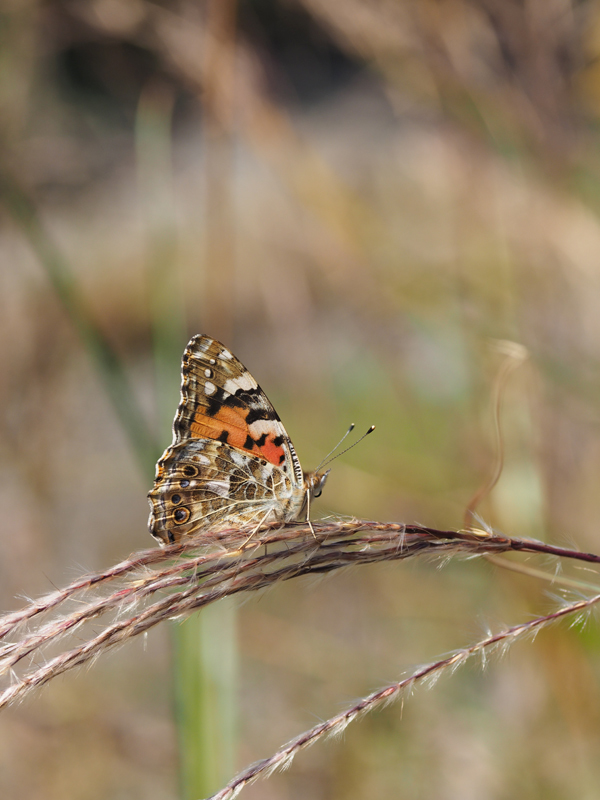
{"points": [[309, 523], [256, 529]]}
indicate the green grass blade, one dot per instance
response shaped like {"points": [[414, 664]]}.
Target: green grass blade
{"points": [[204, 665]]}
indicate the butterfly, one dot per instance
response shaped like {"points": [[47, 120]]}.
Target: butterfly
{"points": [[231, 462]]}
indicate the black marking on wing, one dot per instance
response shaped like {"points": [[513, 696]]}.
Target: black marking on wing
{"points": [[236, 400], [256, 414], [246, 398], [215, 402]]}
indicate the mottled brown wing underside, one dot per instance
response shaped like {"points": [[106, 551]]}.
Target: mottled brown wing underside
{"points": [[231, 461]]}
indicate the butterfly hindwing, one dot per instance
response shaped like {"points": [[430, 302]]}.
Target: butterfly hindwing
{"points": [[208, 484]]}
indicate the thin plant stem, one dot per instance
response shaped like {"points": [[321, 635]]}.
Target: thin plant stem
{"points": [[428, 673]]}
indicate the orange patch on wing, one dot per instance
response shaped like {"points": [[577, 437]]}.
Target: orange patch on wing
{"points": [[272, 452], [234, 422], [226, 419]]}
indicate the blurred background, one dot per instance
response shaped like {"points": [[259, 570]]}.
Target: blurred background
{"points": [[360, 199]]}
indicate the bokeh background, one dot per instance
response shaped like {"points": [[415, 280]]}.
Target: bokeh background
{"points": [[360, 199]]}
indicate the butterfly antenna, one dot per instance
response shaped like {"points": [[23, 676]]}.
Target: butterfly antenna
{"points": [[348, 432], [328, 460]]}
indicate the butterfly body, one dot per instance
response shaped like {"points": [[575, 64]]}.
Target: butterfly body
{"points": [[231, 462]]}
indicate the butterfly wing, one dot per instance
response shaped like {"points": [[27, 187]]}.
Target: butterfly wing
{"points": [[231, 461], [221, 400]]}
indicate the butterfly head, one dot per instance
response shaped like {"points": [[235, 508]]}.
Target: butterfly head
{"points": [[314, 482]]}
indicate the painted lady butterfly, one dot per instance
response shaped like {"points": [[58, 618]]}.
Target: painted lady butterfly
{"points": [[231, 462]]}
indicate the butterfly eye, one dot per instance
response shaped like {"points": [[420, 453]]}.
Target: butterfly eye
{"points": [[316, 492], [190, 471], [181, 515], [176, 498]]}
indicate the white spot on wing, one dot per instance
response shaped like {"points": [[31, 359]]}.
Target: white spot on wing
{"points": [[239, 459], [269, 426], [225, 355], [202, 459], [208, 373], [209, 388], [219, 487], [245, 381]]}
